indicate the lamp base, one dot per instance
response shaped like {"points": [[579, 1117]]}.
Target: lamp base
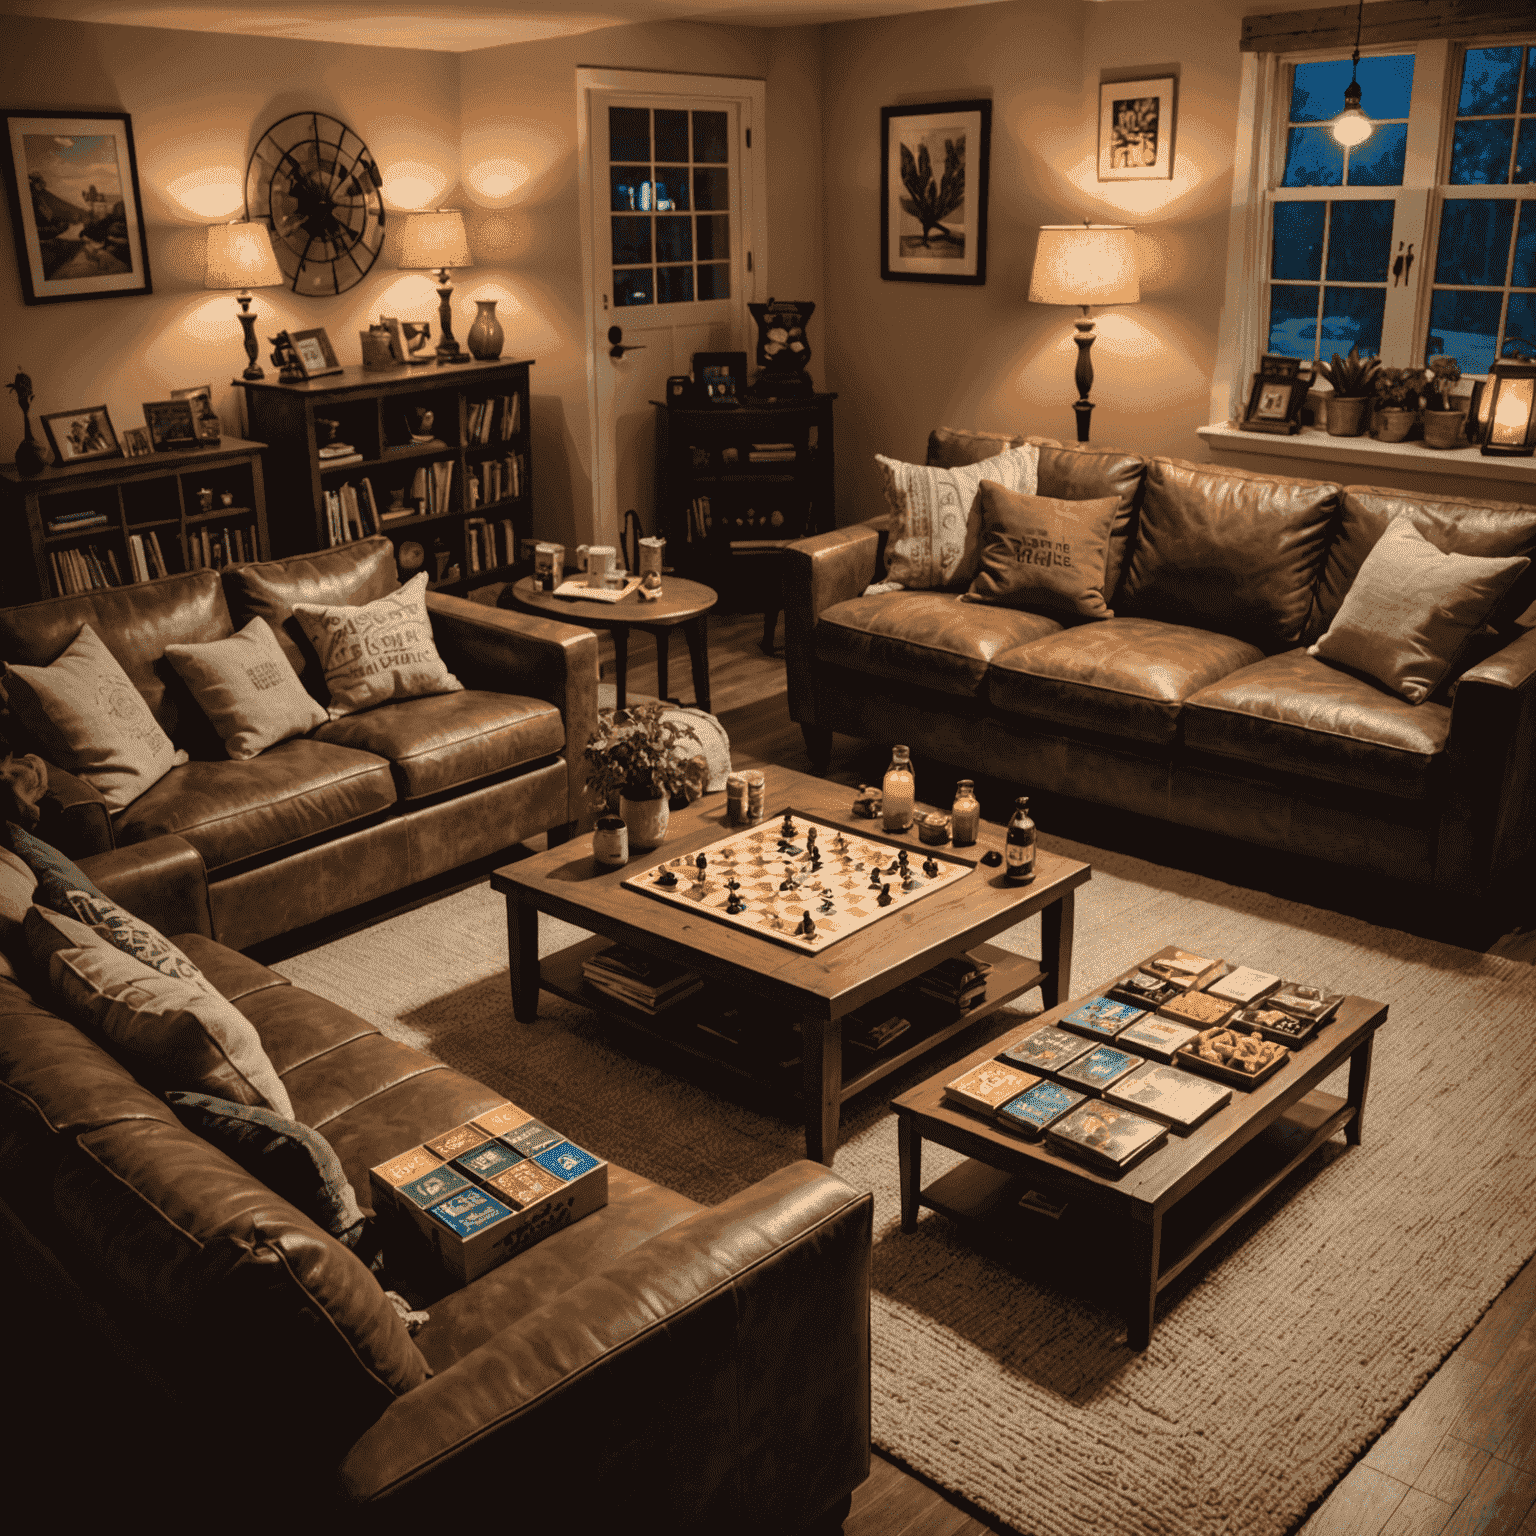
{"points": [[1083, 376], [448, 350], [253, 369]]}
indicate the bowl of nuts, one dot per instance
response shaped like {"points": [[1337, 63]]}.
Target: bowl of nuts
{"points": [[1231, 1056]]}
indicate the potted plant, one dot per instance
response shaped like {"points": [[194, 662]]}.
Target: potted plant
{"points": [[1352, 378], [1397, 402], [1444, 415], [635, 756]]}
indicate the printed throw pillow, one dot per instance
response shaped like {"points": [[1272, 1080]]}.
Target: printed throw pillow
{"points": [[132, 935], [1042, 553], [378, 652], [166, 1031], [290, 1159], [90, 719], [56, 875], [1411, 611], [934, 527], [18, 886], [248, 689]]}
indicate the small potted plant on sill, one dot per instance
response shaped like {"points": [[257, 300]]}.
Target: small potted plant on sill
{"points": [[1444, 414], [1352, 378], [637, 757], [1397, 403]]}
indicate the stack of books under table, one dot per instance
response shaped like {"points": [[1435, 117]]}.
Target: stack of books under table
{"points": [[638, 979]]}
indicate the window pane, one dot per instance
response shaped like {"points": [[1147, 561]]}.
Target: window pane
{"points": [[1520, 325], [1489, 79], [1464, 326], [1528, 100], [630, 191], [1386, 84], [711, 189], [1524, 275], [674, 285], [1525, 152], [1379, 161], [672, 190], [632, 287], [1359, 242], [1293, 321], [1480, 154], [715, 282], [711, 141], [1352, 318], [629, 133], [674, 239], [671, 135], [715, 235], [631, 241], [1312, 159], [1474, 242]]}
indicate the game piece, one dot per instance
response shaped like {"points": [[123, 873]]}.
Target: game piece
{"points": [[807, 926], [788, 829], [789, 883], [810, 838], [874, 879], [735, 904], [733, 884], [909, 884], [840, 843], [666, 878], [901, 859], [894, 865], [884, 898], [827, 905], [992, 858], [703, 863], [930, 866]]}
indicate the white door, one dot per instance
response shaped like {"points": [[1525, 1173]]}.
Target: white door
{"points": [[673, 199]]}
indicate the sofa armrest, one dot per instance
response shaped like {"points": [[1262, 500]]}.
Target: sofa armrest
{"points": [[75, 818], [161, 880], [829, 568], [715, 1378], [509, 652]]}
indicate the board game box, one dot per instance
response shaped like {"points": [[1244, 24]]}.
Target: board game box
{"points": [[1036, 1108], [1184, 970], [1105, 1136], [983, 1088], [1243, 985], [799, 880], [1102, 1018], [1154, 1036], [1102, 1066], [1047, 1050], [1179, 1099]]}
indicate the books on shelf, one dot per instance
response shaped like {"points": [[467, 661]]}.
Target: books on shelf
{"points": [[333, 453], [700, 520], [638, 979], [75, 522], [84, 568], [960, 981], [489, 545], [496, 480], [874, 1027], [771, 453], [495, 420]]}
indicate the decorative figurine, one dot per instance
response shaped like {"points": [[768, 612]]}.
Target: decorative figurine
{"points": [[807, 928], [30, 459]]}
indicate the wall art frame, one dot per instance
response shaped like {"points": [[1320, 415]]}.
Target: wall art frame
{"points": [[80, 227], [935, 158], [1136, 129]]}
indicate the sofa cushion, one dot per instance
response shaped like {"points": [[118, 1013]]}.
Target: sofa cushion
{"points": [[929, 639], [1123, 677], [447, 739], [1042, 553], [951, 447], [1080, 473], [18, 891], [56, 873], [231, 811], [121, 929], [1228, 549], [1297, 714]]}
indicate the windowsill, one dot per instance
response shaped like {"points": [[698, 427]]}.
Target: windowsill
{"points": [[1364, 452]]}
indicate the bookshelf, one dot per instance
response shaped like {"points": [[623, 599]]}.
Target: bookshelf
{"points": [[85, 521], [457, 487]]}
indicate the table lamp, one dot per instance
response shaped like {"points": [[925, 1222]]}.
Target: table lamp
{"points": [[240, 256], [1084, 264], [436, 242]]}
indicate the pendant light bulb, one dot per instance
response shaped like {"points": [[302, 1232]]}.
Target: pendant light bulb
{"points": [[1352, 126]]}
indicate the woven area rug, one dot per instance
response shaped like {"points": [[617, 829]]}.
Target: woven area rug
{"points": [[1277, 1360]]}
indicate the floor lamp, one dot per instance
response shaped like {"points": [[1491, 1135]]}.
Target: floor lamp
{"points": [[1084, 264]]}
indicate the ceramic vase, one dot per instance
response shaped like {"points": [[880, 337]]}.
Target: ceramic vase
{"points": [[1347, 416], [30, 459], [645, 819], [1442, 429], [485, 333], [1393, 426]]}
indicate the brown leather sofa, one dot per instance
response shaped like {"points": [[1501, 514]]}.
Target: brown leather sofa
{"points": [[1196, 703], [362, 806], [691, 1368]]}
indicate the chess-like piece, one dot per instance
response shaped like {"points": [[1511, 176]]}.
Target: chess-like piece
{"points": [[807, 928], [788, 829], [884, 899], [666, 878], [810, 837], [874, 879], [735, 904], [789, 883], [909, 884], [894, 865], [901, 858], [839, 842], [931, 867], [733, 884], [703, 864], [827, 905]]}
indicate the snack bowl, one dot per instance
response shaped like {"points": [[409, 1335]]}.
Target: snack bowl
{"points": [[1235, 1076]]}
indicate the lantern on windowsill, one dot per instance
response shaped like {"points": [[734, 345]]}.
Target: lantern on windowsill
{"points": [[1508, 407]]}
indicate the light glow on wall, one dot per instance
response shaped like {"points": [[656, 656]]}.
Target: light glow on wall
{"points": [[412, 184], [504, 159], [210, 193]]}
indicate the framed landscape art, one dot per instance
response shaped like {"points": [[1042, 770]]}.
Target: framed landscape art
{"points": [[1136, 130], [73, 185], [933, 191]]}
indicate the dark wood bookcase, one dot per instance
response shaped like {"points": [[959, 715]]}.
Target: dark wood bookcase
{"points": [[157, 493], [377, 413]]}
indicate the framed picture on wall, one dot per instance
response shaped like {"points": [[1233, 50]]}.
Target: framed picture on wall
{"points": [[1136, 130], [73, 185], [933, 191]]}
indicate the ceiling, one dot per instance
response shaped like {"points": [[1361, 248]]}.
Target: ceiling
{"points": [[455, 26]]}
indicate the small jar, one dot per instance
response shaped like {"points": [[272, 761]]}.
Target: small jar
{"points": [[736, 799], [610, 842], [933, 827], [757, 789], [898, 792], [964, 814]]}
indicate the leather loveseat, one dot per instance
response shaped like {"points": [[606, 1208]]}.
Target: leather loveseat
{"points": [[688, 1368], [361, 806], [1197, 702]]}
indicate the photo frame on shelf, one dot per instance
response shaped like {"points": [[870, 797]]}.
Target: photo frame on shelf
{"points": [[316, 356], [933, 191], [1276, 396], [83, 433], [80, 226], [205, 420], [171, 425], [135, 443], [720, 377], [1136, 127]]}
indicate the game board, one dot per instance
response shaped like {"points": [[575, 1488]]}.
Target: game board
{"points": [[838, 897]]}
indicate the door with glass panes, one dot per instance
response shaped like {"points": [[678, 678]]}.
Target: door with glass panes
{"points": [[672, 193]]}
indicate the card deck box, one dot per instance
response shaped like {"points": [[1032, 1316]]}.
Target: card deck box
{"points": [[566, 1162], [983, 1088], [1047, 1050], [1102, 1066], [502, 1120], [432, 1187], [470, 1212], [1102, 1018], [488, 1158], [460, 1139], [1179, 1099], [1159, 1037], [526, 1184], [1038, 1107], [533, 1138]]}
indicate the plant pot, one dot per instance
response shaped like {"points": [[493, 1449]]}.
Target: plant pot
{"points": [[645, 819], [1394, 425], [1347, 415], [485, 333], [1443, 429]]}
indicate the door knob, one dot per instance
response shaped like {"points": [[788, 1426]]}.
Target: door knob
{"points": [[616, 347]]}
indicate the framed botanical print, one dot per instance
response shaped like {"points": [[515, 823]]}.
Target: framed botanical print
{"points": [[1136, 130], [933, 191], [73, 185]]}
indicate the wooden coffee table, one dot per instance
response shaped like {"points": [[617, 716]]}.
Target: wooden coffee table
{"points": [[818, 990], [1165, 1211]]}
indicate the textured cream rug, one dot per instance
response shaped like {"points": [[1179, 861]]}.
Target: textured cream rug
{"points": [[1277, 1361]]}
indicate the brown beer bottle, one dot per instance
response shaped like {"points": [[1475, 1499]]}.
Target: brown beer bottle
{"points": [[1019, 850]]}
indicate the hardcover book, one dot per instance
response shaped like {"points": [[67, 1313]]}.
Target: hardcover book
{"points": [[460, 1139], [1244, 985], [1180, 1099], [567, 1161], [1143, 990], [1199, 1009], [1047, 1050], [1182, 969], [432, 1187], [533, 1138], [1306, 1002], [983, 1088], [1102, 1066], [1040, 1106], [409, 1165], [502, 1120], [1102, 1018], [1158, 1037], [488, 1158], [1106, 1136], [525, 1185], [470, 1212]]}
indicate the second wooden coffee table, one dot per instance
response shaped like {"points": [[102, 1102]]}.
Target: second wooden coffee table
{"points": [[817, 990]]}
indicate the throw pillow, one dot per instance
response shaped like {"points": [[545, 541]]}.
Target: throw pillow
{"points": [[18, 886], [378, 652], [1043, 553], [1411, 610], [166, 1031], [56, 875], [92, 721], [935, 515], [248, 689], [132, 935], [290, 1159]]}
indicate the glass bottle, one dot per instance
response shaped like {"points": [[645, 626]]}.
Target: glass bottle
{"points": [[899, 792], [964, 814], [1019, 850]]}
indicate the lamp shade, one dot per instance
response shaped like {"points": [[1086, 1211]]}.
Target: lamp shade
{"points": [[435, 239], [1085, 264], [241, 256]]}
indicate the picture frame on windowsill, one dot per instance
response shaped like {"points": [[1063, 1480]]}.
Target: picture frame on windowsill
{"points": [[1276, 396]]}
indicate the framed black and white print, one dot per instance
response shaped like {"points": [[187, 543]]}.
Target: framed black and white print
{"points": [[1136, 130], [73, 185], [933, 191]]}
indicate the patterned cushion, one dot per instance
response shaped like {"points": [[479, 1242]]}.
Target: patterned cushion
{"points": [[56, 874], [1043, 553], [132, 935]]}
